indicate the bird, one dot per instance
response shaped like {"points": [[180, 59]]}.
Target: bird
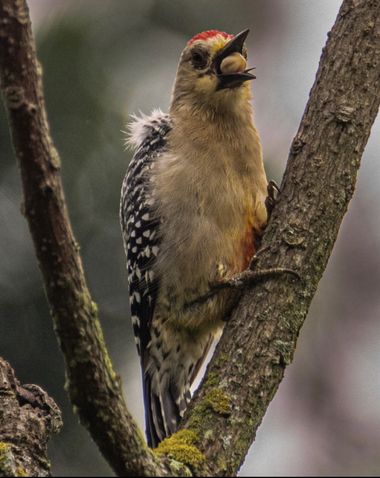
{"points": [[192, 210]]}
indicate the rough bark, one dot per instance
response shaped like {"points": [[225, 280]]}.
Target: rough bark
{"points": [[28, 417], [318, 184], [261, 337]]}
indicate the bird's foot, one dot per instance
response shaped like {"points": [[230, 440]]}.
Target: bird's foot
{"points": [[257, 255], [249, 276], [243, 279], [272, 198]]}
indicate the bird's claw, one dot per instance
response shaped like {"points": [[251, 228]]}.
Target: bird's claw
{"points": [[272, 198], [241, 280]]}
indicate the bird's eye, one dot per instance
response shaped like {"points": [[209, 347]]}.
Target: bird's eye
{"points": [[199, 58]]}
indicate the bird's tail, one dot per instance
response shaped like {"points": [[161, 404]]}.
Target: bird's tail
{"points": [[167, 394], [164, 407]]}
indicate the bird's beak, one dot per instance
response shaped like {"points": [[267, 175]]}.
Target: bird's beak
{"points": [[232, 80]]}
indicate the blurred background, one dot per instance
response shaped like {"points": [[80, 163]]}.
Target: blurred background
{"points": [[105, 60]]}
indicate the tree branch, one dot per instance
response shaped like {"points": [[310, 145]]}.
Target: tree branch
{"points": [[260, 340], [28, 416], [94, 388], [261, 337]]}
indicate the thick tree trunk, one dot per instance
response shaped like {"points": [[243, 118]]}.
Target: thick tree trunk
{"points": [[28, 417], [319, 181]]}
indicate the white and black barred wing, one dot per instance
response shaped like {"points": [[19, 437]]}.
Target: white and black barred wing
{"points": [[140, 228]]}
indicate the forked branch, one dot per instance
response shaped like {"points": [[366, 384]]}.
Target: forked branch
{"points": [[260, 340]]}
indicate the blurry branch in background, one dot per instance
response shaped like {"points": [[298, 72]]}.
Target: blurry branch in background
{"points": [[260, 340], [28, 416]]}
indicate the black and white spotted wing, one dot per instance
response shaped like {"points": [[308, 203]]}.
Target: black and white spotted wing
{"points": [[140, 227]]}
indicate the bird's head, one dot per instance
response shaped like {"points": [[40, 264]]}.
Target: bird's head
{"points": [[213, 70]]}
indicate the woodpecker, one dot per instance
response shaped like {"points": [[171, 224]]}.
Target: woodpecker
{"points": [[192, 209]]}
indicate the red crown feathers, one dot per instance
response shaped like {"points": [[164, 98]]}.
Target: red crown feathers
{"points": [[207, 35]]}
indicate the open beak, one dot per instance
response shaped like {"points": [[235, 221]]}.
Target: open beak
{"points": [[232, 80]]}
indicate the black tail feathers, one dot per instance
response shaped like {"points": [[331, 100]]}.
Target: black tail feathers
{"points": [[164, 407]]}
